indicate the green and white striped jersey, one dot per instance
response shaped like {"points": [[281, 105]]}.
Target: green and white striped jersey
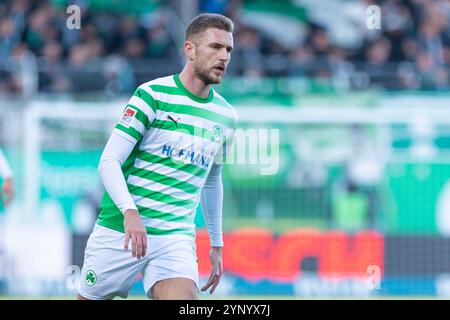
{"points": [[177, 137]]}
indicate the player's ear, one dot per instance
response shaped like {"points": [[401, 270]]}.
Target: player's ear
{"points": [[189, 49]]}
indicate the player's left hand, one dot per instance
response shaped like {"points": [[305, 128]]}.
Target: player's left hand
{"points": [[217, 269]]}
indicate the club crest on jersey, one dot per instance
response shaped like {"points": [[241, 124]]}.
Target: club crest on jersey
{"points": [[127, 117], [217, 133]]}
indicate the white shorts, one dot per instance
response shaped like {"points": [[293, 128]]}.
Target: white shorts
{"points": [[110, 271]]}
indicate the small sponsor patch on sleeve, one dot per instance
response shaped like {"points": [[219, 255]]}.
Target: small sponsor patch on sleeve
{"points": [[127, 117]]}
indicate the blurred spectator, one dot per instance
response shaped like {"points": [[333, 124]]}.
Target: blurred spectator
{"points": [[225, 7], [134, 49], [320, 43], [247, 55], [159, 43], [8, 38], [429, 40], [378, 52], [35, 30], [397, 24], [431, 77], [118, 76], [410, 51], [53, 79], [377, 65], [300, 58], [24, 71]]}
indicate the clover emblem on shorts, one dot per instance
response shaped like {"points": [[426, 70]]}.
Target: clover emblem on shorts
{"points": [[91, 278]]}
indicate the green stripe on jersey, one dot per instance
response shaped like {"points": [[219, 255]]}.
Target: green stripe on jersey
{"points": [[168, 90], [147, 97], [165, 180], [221, 102], [130, 131], [161, 232], [197, 112], [161, 197], [140, 115], [166, 216], [172, 163], [179, 83], [183, 128]]}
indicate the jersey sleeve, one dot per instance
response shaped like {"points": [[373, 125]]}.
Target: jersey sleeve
{"points": [[212, 202], [224, 154], [137, 116], [116, 152]]}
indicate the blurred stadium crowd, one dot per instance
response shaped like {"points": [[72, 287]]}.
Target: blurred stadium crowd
{"points": [[113, 52]]}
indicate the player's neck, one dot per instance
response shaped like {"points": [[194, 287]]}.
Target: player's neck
{"points": [[194, 84]]}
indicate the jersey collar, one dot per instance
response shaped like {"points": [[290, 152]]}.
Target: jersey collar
{"points": [[180, 85]]}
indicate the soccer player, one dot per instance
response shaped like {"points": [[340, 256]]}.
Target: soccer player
{"points": [[7, 190], [163, 158]]}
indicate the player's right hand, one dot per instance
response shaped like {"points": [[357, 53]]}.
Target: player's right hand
{"points": [[135, 231]]}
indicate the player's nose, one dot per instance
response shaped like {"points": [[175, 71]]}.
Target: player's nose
{"points": [[224, 55]]}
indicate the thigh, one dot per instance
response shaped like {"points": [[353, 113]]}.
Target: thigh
{"points": [[175, 289], [172, 272], [108, 270]]}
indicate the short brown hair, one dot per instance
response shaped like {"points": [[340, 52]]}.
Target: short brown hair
{"points": [[208, 20]]}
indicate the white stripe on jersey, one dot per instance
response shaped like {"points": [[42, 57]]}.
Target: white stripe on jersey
{"points": [[156, 186], [156, 138], [170, 172], [166, 225], [160, 206], [143, 106]]}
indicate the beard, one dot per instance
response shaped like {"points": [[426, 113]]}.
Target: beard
{"points": [[206, 76]]}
